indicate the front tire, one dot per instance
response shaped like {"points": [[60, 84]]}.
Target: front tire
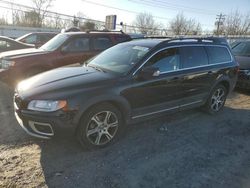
{"points": [[216, 99], [99, 126]]}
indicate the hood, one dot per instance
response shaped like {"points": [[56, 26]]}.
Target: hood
{"points": [[244, 61], [21, 53], [63, 80]]}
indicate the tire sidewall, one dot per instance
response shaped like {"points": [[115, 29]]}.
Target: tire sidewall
{"points": [[209, 101], [82, 127]]}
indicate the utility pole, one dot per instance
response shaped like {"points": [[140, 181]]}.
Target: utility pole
{"points": [[221, 19]]}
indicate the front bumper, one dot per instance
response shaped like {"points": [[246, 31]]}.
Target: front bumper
{"points": [[43, 125]]}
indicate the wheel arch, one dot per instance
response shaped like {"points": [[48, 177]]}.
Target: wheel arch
{"points": [[120, 103]]}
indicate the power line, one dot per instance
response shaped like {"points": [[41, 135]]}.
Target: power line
{"points": [[164, 4], [134, 12], [124, 10], [51, 12]]}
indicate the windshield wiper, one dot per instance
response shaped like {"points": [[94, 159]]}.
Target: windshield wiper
{"points": [[96, 68]]}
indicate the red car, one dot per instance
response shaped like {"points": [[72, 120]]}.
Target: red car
{"points": [[64, 49], [37, 38]]}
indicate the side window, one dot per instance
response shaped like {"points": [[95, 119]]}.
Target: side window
{"points": [[193, 56], [42, 38], [4, 44], [31, 39], [218, 54], [78, 45], [101, 43], [166, 60]]}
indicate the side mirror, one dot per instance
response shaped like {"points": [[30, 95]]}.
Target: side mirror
{"points": [[149, 72]]}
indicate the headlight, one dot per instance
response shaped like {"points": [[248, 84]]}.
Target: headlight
{"points": [[46, 105], [6, 63]]}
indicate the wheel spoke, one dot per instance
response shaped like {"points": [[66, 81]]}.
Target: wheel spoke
{"points": [[111, 125], [108, 135], [96, 120], [98, 138], [108, 114], [92, 131]]}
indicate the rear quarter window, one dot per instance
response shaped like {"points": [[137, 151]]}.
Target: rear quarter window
{"points": [[218, 54]]}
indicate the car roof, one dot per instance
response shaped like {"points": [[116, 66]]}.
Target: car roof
{"points": [[6, 38], [93, 33]]}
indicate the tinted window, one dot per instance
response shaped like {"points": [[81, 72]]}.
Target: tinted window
{"points": [[101, 43], [218, 54], [78, 45], [30, 39], [193, 56], [243, 48], [166, 60], [44, 38]]}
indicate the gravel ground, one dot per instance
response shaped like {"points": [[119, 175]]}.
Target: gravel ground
{"points": [[187, 149]]}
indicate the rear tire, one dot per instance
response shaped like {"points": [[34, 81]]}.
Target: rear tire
{"points": [[216, 99], [101, 125]]}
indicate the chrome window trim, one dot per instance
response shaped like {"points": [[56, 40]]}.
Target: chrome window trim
{"points": [[184, 45], [165, 110]]}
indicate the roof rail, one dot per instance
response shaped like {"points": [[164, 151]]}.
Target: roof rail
{"points": [[157, 37], [104, 30], [218, 40]]}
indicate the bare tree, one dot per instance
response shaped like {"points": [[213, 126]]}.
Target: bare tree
{"points": [[237, 23], [180, 25], [88, 26], [41, 9], [146, 24], [3, 21], [32, 18]]}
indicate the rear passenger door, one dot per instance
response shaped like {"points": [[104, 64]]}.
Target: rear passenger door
{"points": [[197, 77]]}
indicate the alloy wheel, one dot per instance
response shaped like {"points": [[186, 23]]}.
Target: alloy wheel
{"points": [[102, 127], [217, 99]]}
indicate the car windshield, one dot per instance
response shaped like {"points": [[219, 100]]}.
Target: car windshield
{"points": [[120, 58], [55, 42], [242, 49]]}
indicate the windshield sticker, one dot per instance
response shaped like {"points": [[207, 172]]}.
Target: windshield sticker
{"points": [[140, 48]]}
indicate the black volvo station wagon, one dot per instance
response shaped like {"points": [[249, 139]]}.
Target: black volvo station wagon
{"points": [[129, 82]]}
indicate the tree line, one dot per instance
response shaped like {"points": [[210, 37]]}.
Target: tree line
{"points": [[235, 23]]}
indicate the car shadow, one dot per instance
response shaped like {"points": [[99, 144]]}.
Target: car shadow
{"points": [[187, 149]]}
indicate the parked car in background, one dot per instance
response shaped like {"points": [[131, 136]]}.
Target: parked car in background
{"points": [[7, 44], [64, 49], [37, 38], [242, 55], [129, 82]]}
